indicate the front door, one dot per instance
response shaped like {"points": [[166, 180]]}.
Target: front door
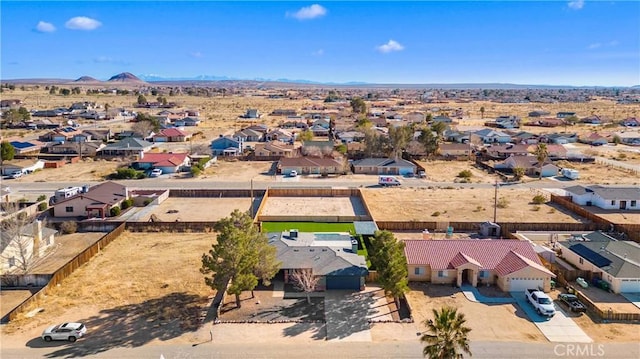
{"points": [[623, 204]]}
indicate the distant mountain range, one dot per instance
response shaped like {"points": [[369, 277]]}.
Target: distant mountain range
{"points": [[129, 78]]}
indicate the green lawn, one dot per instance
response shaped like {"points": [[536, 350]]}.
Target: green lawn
{"points": [[307, 227]]}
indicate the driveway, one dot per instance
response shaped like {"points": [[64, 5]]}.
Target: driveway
{"points": [[560, 328]]}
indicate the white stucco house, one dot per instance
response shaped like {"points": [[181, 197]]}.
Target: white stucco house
{"points": [[605, 197]]}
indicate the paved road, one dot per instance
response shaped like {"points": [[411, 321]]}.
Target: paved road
{"points": [[330, 349]]}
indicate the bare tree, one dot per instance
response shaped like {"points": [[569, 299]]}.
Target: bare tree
{"points": [[21, 239], [304, 280], [143, 128]]}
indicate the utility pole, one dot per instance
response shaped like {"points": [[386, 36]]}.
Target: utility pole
{"points": [[251, 197], [495, 204]]}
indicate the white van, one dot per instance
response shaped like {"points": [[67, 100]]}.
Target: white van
{"points": [[388, 181]]}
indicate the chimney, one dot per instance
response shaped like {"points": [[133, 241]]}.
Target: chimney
{"points": [[37, 238], [354, 245]]}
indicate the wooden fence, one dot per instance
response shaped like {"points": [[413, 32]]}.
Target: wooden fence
{"points": [[215, 193], [631, 230], [314, 192], [65, 271], [171, 227]]}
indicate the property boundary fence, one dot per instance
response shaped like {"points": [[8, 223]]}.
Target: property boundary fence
{"points": [[65, 271]]}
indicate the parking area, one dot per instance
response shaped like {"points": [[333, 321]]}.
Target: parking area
{"points": [[559, 328]]}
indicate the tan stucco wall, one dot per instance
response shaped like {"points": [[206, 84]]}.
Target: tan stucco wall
{"points": [[419, 278], [451, 277]]}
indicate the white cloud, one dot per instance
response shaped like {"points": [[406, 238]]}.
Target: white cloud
{"points": [[390, 46], [82, 23], [196, 54], [576, 4], [109, 60], [319, 52], [45, 27], [614, 43], [597, 45], [594, 46], [310, 12]]}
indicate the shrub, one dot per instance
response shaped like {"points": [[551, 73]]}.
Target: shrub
{"points": [[42, 206], [147, 201], [435, 214], [539, 199], [127, 203], [503, 203], [195, 171], [128, 173], [115, 211], [465, 174], [535, 208], [42, 197], [69, 227]]}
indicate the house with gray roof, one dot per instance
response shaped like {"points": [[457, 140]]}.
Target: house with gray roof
{"points": [[605, 197], [331, 256], [128, 146], [615, 262], [383, 166]]}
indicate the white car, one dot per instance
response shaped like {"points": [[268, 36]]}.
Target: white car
{"points": [[64, 331], [156, 172], [293, 173], [16, 174]]}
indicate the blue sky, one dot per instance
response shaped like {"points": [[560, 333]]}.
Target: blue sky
{"points": [[544, 42]]}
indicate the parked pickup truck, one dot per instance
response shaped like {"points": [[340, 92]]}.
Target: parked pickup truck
{"points": [[541, 302], [572, 302]]}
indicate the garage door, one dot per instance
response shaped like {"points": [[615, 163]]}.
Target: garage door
{"points": [[522, 284], [630, 286], [343, 282]]}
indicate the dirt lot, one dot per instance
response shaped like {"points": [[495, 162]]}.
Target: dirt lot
{"points": [[128, 302], [197, 209], [320, 206], [406, 204], [498, 322], [86, 170]]}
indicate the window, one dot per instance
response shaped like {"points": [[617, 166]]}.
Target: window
{"points": [[581, 261], [12, 262], [442, 274], [418, 271], [613, 202], [68, 209], [484, 274], [633, 203]]}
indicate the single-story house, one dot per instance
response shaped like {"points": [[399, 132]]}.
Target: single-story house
{"points": [[630, 122], [595, 139], [383, 166], [26, 243], [274, 148], [512, 265], [102, 134], [24, 166], [538, 113], [319, 130], [95, 203], [525, 138], [310, 165], [564, 114], [252, 113], [331, 256], [504, 151], [350, 136], [443, 119], [488, 135], [530, 165], [248, 135], [24, 147], [615, 262], [631, 138], [284, 112], [281, 135], [187, 121], [86, 149], [554, 151], [167, 162], [322, 122], [128, 146], [454, 149], [171, 135], [560, 138], [226, 146], [605, 197]]}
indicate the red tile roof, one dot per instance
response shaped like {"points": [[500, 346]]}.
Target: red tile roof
{"points": [[172, 132], [504, 256]]}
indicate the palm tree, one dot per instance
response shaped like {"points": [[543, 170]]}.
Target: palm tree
{"points": [[482, 111], [541, 154], [446, 335]]}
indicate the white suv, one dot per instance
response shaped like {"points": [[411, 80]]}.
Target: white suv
{"points": [[64, 331]]}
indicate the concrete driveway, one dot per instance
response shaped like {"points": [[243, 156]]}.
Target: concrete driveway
{"points": [[560, 328]]}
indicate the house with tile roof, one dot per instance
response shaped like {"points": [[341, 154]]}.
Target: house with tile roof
{"points": [[274, 149], [605, 197], [167, 162], [512, 265], [171, 135], [96, 202], [331, 256], [615, 262]]}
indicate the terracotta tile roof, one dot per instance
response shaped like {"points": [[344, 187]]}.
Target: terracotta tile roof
{"points": [[504, 256]]}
